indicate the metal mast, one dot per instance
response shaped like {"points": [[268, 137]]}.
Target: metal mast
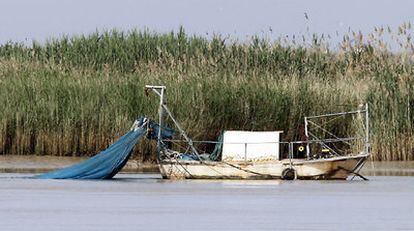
{"points": [[160, 90]]}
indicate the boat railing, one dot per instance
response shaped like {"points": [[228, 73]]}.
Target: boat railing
{"points": [[270, 142], [322, 148]]}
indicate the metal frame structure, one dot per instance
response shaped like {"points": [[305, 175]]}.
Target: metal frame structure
{"points": [[308, 121], [160, 91]]}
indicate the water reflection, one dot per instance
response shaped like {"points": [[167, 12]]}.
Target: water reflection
{"points": [[132, 201]]}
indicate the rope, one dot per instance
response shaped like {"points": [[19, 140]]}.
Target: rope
{"points": [[249, 171]]}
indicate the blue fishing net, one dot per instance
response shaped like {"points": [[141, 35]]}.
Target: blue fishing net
{"points": [[105, 164]]}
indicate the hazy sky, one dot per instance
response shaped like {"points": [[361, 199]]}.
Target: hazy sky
{"points": [[24, 20]]}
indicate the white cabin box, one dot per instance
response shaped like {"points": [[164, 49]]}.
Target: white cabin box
{"points": [[251, 145]]}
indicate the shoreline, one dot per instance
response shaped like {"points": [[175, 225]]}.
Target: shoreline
{"points": [[39, 164]]}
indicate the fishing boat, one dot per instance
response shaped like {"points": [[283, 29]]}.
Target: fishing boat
{"points": [[262, 154]]}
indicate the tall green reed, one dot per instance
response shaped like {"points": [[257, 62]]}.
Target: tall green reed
{"points": [[75, 95]]}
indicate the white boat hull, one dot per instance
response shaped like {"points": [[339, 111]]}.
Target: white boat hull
{"points": [[329, 168]]}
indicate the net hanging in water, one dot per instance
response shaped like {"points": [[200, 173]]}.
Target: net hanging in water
{"points": [[105, 164]]}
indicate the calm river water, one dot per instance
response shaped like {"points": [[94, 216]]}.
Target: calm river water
{"points": [[146, 202]]}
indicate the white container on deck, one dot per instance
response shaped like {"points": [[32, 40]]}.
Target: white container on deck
{"points": [[251, 145]]}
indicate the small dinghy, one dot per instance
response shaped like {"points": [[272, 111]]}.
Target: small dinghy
{"points": [[262, 154]]}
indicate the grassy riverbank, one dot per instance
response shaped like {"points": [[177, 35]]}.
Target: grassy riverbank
{"points": [[73, 96]]}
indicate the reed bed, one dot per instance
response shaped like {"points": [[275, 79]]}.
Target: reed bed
{"points": [[75, 95]]}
